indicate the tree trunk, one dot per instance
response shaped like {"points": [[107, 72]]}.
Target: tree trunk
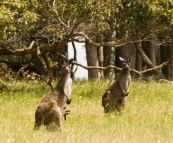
{"points": [[144, 56], [100, 59], [107, 60], [149, 50], [164, 50], [148, 57], [138, 61], [156, 47], [92, 60], [107, 51], [170, 64], [126, 52]]}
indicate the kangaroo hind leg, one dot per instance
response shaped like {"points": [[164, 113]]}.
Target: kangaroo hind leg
{"points": [[106, 102], [57, 118], [37, 124]]}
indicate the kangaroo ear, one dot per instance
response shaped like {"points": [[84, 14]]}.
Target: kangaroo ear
{"points": [[62, 62], [121, 59], [71, 61], [129, 60]]}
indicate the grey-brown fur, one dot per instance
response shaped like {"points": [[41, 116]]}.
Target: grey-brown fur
{"points": [[115, 96], [52, 106]]}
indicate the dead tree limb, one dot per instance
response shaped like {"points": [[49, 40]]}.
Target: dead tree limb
{"points": [[116, 68], [104, 68], [3, 83], [155, 68], [48, 80], [29, 58], [143, 55], [21, 69], [16, 63], [41, 60], [107, 44], [75, 58], [26, 65], [49, 74], [136, 72], [31, 45], [166, 81], [142, 73], [99, 68]]}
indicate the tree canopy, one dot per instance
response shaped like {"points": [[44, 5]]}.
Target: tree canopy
{"points": [[51, 24], [58, 22]]}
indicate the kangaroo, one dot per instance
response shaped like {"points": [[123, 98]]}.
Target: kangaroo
{"points": [[52, 108], [115, 96]]}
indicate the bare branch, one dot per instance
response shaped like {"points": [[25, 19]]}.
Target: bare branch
{"points": [[62, 56], [41, 60], [114, 67], [23, 68], [5, 50], [26, 65], [49, 74], [143, 55], [75, 56], [48, 77], [95, 67], [75, 51], [16, 63], [107, 44], [137, 72], [31, 45], [3, 83], [155, 68], [58, 17]]}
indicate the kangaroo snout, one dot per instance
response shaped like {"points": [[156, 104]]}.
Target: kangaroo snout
{"points": [[126, 67], [68, 101]]}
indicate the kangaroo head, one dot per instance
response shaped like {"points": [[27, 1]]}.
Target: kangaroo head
{"points": [[66, 66], [66, 69], [126, 63]]}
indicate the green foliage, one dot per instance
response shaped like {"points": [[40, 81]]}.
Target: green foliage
{"points": [[147, 117], [16, 20], [22, 21]]}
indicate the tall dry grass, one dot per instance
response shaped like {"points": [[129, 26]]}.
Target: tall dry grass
{"points": [[147, 118]]}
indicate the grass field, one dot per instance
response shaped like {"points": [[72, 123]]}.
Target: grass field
{"points": [[147, 118]]}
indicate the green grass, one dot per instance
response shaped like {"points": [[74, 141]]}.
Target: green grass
{"points": [[147, 118]]}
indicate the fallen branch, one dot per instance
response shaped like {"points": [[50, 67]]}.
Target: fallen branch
{"points": [[166, 81], [23, 68]]}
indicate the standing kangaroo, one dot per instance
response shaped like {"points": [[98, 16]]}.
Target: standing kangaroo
{"points": [[115, 96], [52, 106]]}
